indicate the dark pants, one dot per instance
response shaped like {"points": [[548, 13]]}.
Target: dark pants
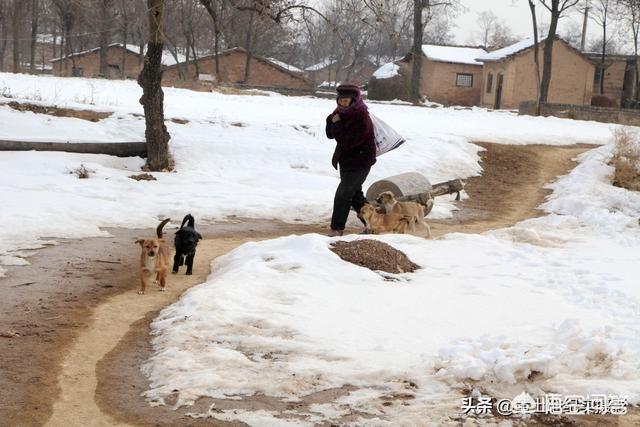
{"points": [[349, 194]]}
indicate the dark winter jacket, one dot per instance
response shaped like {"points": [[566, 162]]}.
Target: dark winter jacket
{"points": [[355, 146]]}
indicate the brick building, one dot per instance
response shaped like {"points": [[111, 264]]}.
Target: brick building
{"points": [[119, 57], [619, 78], [232, 63], [450, 75], [509, 76]]}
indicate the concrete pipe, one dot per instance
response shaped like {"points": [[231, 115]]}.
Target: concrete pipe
{"points": [[405, 184]]}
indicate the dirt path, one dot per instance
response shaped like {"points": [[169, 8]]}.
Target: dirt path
{"points": [[90, 330]]}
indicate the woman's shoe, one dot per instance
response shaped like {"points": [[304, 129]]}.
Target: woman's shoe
{"points": [[335, 233]]}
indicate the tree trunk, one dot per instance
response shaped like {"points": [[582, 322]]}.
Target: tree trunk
{"points": [[34, 35], [548, 53], [125, 33], [105, 36], [150, 79], [4, 34], [18, 7], [216, 32], [195, 55], [603, 54], [247, 65], [416, 52], [536, 53]]}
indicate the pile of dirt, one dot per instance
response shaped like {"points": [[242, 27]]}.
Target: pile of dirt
{"points": [[92, 116], [374, 255]]}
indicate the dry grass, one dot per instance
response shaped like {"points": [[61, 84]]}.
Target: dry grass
{"points": [[82, 172], [626, 159]]}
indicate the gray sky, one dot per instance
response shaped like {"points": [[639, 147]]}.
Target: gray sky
{"points": [[517, 16]]}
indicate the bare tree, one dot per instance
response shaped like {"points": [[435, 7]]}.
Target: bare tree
{"points": [[152, 99], [431, 7], [601, 11], [105, 18], [631, 14], [216, 12], [34, 35], [493, 32], [67, 13], [557, 8], [4, 30], [536, 53], [18, 15]]}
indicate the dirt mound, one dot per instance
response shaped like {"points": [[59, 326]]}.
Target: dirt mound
{"points": [[374, 255], [92, 116]]}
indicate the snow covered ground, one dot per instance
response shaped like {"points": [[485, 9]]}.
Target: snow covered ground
{"points": [[555, 298], [555, 295], [231, 156]]}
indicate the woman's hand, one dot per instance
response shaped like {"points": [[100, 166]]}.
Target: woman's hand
{"points": [[335, 118]]}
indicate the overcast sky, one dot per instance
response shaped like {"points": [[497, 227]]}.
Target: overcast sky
{"points": [[517, 16]]}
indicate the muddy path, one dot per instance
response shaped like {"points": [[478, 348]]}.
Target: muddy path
{"points": [[84, 331]]}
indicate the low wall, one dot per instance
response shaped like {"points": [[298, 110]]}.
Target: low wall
{"points": [[583, 112]]}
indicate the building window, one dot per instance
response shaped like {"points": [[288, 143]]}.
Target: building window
{"points": [[464, 80], [489, 82], [597, 76], [76, 72]]}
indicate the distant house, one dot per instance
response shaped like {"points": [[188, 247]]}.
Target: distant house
{"points": [[619, 78], [450, 75], [232, 63], [87, 63], [509, 75]]}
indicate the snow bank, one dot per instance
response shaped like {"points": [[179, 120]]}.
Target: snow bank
{"points": [[550, 305]]}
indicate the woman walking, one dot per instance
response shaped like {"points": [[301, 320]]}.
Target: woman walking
{"points": [[355, 153]]}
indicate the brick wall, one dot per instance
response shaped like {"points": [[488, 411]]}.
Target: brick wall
{"points": [[584, 112], [571, 78], [88, 65], [439, 83], [232, 66], [613, 80]]}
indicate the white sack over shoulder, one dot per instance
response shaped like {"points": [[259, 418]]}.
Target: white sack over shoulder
{"points": [[386, 138]]}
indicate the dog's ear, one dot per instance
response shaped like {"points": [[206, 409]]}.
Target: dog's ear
{"points": [[139, 242]]}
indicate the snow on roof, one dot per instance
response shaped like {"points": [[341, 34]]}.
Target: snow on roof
{"points": [[167, 57], [500, 54], [455, 54], [320, 65], [387, 71], [284, 65]]}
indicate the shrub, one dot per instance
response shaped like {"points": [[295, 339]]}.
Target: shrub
{"points": [[626, 159]]}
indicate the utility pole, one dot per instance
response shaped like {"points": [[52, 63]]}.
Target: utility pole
{"points": [[584, 27]]}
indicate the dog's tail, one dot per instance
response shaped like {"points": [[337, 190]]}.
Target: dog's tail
{"points": [[191, 222], [159, 229]]}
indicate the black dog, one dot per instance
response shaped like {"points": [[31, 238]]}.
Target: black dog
{"points": [[186, 241]]}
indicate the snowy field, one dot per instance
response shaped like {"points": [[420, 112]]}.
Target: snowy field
{"points": [[263, 156], [551, 304], [555, 299]]}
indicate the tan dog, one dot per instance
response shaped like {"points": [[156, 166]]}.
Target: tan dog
{"points": [[384, 223], [154, 260], [411, 209]]}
